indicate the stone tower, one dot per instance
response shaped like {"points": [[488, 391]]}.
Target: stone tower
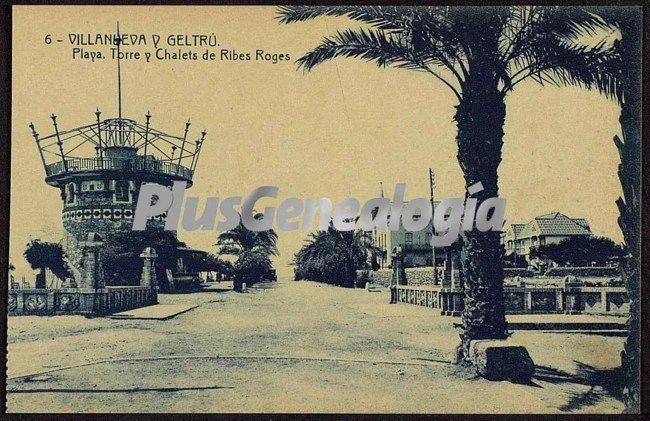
{"points": [[100, 167]]}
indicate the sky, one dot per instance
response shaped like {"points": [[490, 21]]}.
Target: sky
{"points": [[337, 131]]}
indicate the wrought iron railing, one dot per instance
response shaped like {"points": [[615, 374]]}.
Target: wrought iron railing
{"points": [[119, 164]]}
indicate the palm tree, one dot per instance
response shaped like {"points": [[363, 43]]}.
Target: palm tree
{"points": [[240, 239], [334, 256], [252, 249], [619, 77], [481, 54]]}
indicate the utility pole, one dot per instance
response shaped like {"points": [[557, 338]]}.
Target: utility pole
{"points": [[432, 189]]}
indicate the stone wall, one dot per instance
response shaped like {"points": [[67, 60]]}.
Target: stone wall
{"points": [[414, 276], [379, 277], [419, 276], [524, 300], [48, 302], [97, 211]]}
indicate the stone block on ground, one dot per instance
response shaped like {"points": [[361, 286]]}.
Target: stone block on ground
{"points": [[501, 360]]}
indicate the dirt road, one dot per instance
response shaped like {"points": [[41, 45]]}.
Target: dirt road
{"points": [[290, 346]]}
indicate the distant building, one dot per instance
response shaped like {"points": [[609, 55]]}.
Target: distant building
{"points": [[415, 245], [545, 229]]}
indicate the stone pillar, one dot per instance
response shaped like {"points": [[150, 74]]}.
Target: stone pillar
{"points": [[528, 302], [604, 304], [559, 300], [92, 277], [148, 278], [90, 265], [572, 296], [399, 273], [457, 304], [398, 276]]}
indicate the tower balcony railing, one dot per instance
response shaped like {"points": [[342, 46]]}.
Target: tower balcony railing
{"points": [[119, 164]]}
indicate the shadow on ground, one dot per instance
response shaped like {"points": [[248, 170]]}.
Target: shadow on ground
{"points": [[602, 383]]}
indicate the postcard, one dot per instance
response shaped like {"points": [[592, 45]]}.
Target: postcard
{"points": [[324, 209]]}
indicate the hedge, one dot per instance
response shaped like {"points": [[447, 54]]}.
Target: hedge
{"points": [[512, 272], [583, 271]]}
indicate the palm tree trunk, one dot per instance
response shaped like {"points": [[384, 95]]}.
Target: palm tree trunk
{"points": [[480, 116], [630, 204]]}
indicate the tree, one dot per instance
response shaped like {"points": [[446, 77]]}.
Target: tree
{"points": [[480, 54], [334, 256], [43, 255], [619, 77], [252, 249], [121, 251], [515, 260], [252, 266], [241, 239], [208, 262], [579, 251]]}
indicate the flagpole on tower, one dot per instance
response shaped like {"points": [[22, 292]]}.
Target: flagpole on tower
{"points": [[118, 41]]}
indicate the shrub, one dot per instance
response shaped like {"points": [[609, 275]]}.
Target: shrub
{"points": [[44, 255], [251, 267], [333, 257], [512, 272], [579, 251], [583, 271], [121, 255]]}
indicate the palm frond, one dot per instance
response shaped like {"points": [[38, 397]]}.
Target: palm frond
{"points": [[375, 45], [230, 249], [382, 17], [572, 22], [562, 64], [370, 45]]}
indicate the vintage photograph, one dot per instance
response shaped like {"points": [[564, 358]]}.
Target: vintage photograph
{"points": [[325, 209]]}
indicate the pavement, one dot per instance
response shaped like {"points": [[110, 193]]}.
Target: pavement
{"points": [[292, 347]]}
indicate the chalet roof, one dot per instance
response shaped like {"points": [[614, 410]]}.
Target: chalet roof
{"points": [[555, 223], [517, 228]]}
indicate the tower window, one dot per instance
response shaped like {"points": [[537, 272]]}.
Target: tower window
{"points": [[409, 238], [92, 185], [70, 191]]}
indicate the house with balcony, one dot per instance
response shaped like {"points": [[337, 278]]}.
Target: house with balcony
{"points": [[550, 228]]}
